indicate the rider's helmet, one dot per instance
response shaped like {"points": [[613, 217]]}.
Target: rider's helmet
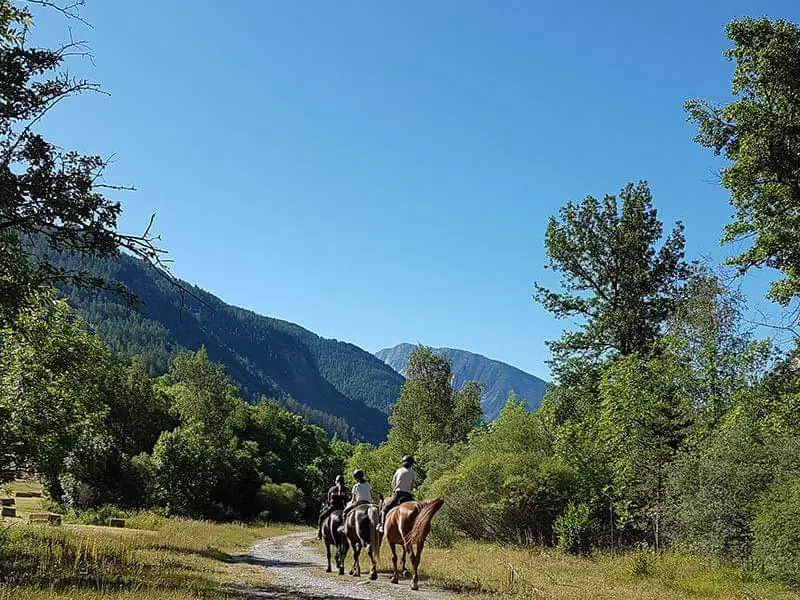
{"points": [[358, 474], [340, 479], [408, 460]]}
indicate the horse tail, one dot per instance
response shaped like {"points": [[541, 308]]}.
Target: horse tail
{"points": [[419, 531], [374, 537]]}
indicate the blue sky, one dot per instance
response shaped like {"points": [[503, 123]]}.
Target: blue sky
{"points": [[382, 172]]}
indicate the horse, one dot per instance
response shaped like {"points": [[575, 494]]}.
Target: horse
{"points": [[408, 525], [360, 528], [333, 537]]}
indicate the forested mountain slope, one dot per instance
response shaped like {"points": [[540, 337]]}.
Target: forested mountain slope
{"points": [[500, 378], [335, 384]]}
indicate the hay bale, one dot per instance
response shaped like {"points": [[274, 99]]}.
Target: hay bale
{"points": [[8, 511], [44, 519], [114, 522], [28, 494], [7, 502]]}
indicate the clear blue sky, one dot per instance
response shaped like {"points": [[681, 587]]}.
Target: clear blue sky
{"points": [[382, 172]]}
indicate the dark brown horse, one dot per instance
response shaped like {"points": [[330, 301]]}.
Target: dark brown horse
{"points": [[360, 527], [333, 537], [408, 525]]}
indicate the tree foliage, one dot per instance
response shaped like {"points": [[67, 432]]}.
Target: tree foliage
{"points": [[615, 278], [758, 133], [103, 432], [47, 192]]}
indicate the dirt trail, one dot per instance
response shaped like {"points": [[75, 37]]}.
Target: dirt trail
{"points": [[300, 574]]}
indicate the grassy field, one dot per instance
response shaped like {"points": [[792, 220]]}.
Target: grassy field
{"points": [[479, 570], [152, 558], [24, 506]]}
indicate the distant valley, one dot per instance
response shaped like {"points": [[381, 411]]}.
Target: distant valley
{"points": [[334, 384], [337, 385], [500, 378]]}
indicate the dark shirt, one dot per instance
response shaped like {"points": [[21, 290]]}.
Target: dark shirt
{"points": [[337, 497]]}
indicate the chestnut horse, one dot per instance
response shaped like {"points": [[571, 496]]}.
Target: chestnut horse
{"points": [[408, 525]]}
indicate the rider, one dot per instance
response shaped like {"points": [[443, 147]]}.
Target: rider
{"points": [[362, 492], [403, 481], [334, 500]]}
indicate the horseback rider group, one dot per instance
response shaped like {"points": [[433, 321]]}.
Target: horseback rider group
{"points": [[403, 482]]}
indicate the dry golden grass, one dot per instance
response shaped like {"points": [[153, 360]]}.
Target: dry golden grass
{"points": [[483, 569], [25, 506], [480, 570], [173, 559]]}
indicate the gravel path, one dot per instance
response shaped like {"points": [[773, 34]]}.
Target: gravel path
{"points": [[300, 574]]}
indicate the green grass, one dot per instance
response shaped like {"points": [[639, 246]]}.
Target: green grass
{"points": [[154, 557]]}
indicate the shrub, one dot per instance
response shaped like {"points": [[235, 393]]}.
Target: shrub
{"points": [[508, 487], [575, 529], [776, 532], [98, 516], [281, 502]]}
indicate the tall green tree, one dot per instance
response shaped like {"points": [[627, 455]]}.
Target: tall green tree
{"points": [[429, 409], [706, 333], [759, 134], [48, 194], [615, 278], [52, 387]]}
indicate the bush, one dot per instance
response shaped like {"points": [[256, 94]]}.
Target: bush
{"points": [[508, 487], [282, 503], [575, 529], [97, 516], [776, 532]]}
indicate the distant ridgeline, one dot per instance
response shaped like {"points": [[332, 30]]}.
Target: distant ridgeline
{"points": [[500, 378], [334, 384]]}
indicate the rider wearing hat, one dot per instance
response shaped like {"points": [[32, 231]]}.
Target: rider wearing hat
{"points": [[403, 481], [335, 500], [361, 494]]}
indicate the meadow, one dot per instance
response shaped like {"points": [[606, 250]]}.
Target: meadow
{"points": [[482, 570], [153, 557]]}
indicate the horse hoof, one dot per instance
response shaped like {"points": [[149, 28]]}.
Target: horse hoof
{"points": [[373, 576], [328, 570], [341, 571], [414, 586], [394, 580]]}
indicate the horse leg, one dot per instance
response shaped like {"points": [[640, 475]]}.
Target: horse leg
{"points": [[357, 561], [405, 571], [414, 562], [373, 574], [395, 577], [341, 554], [355, 550], [328, 552]]}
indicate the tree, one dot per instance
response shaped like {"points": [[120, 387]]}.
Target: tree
{"points": [[759, 133], [615, 279], [202, 393], [706, 333], [429, 409], [643, 424], [48, 195], [52, 387]]}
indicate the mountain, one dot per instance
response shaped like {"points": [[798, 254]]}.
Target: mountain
{"points": [[335, 384], [500, 378]]}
